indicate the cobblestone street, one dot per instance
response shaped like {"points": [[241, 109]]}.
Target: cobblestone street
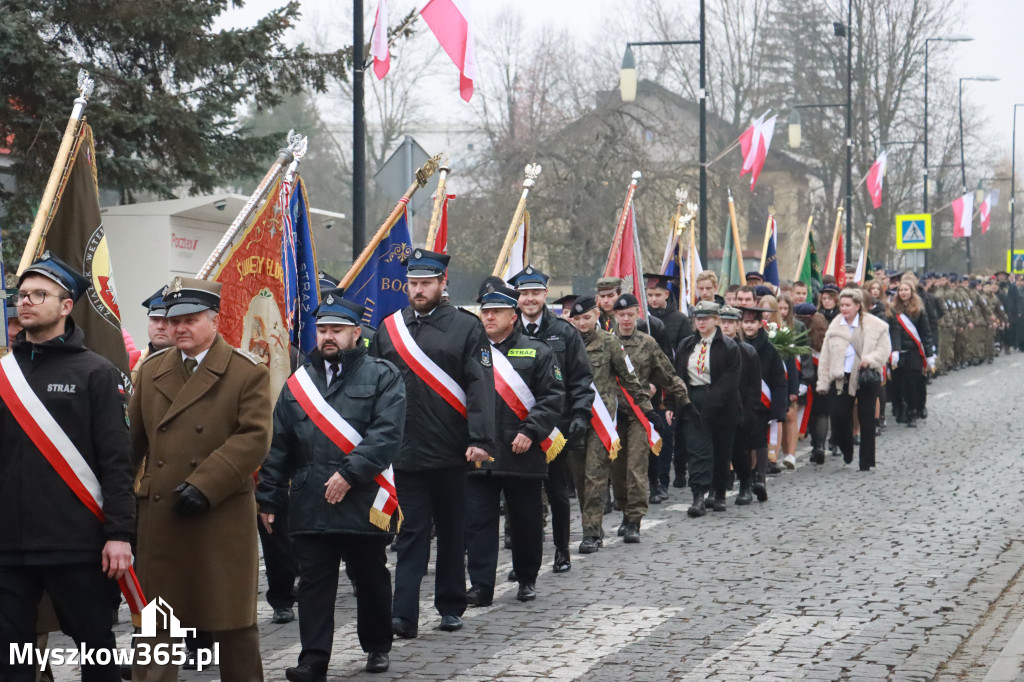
{"points": [[905, 573]]}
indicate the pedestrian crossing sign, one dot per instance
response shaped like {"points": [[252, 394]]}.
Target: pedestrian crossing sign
{"points": [[1015, 262], [914, 231]]}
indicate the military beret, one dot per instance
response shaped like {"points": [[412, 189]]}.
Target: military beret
{"points": [[625, 301], [804, 309], [762, 290], [609, 283], [583, 305]]}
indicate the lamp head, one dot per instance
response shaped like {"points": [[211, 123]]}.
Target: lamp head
{"points": [[627, 76]]}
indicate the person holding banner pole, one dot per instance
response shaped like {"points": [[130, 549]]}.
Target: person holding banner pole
{"points": [[65, 475]]}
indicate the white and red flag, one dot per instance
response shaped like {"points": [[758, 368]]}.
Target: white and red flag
{"points": [[440, 244], [379, 42], [754, 143], [963, 209], [876, 177], [450, 22], [985, 210]]}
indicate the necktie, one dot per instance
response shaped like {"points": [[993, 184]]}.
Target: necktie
{"points": [[335, 371], [531, 329], [190, 366]]}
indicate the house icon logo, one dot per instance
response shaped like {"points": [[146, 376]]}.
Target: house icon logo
{"points": [[158, 615]]}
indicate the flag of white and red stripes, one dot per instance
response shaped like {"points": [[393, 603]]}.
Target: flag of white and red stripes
{"points": [[754, 143], [963, 209], [876, 177], [450, 22], [379, 42], [985, 210]]}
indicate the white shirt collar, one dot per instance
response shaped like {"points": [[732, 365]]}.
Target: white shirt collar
{"points": [[535, 321], [198, 358], [856, 321]]}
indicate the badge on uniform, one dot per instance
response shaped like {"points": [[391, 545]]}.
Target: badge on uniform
{"points": [[558, 374], [485, 357]]}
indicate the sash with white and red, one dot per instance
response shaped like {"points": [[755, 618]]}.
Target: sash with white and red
{"points": [[766, 394], [344, 435], [911, 330], [47, 435], [653, 437], [517, 395], [604, 425], [425, 368]]}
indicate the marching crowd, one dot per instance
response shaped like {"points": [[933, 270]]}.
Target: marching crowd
{"points": [[419, 433]]}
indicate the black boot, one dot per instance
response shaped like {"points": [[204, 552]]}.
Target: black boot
{"points": [[622, 527], [697, 508], [817, 455], [632, 535], [719, 503], [759, 488], [745, 497], [709, 501]]}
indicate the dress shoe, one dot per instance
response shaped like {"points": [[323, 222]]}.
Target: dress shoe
{"points": [[817, 456], [622, 527], [697, 508], [679, 482], [285, 615], [527, 592], [745, 497], [402, 629], [511, 577], [589, 545], [632, 535], [719, 504], [477, 596], [760, 490], [304, 673], [377, 662], [451, 623], [562, 563]]}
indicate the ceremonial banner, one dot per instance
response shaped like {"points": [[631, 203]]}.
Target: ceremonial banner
{"points": [[963, 218], [876, 178], [440, 244], [77, 237], [771, 261], [517, 255], [810, 272], [381, 285], [730, 271], [301, 278], [985, 210], [623, 263], [253, 312], [754, 143]]}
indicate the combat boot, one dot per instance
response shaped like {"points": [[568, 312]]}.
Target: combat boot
{"points": [[697, 508], [760, 489], [590, 545], [745, 497], [709, 501], [632, 535], [622, 527]]}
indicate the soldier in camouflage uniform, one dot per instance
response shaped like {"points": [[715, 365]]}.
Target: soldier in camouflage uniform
{"points": [[947, 324], [611, 369], [999, 316], [979, 316], [963, 322], [651, 367]]}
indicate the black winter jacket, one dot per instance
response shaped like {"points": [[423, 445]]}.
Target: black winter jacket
{"points": [[370, 395], [904, 344], [750, 382], [773, 372], [723, 403], [571, 358], [43, 521]]}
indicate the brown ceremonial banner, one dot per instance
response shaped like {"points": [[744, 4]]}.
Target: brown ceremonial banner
{"points": [[76, 236], [252, 312]]}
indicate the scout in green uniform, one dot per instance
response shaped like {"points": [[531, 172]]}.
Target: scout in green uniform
{"points": [[611, 370], [651, 367], [608, 290]]}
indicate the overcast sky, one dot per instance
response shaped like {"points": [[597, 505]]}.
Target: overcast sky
{"points": [[995, 26]]}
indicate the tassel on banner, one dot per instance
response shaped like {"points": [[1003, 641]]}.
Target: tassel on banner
{"points": [[557, 443]]}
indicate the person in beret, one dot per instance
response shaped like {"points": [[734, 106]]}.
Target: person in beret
{"points": [[331, 489], [50, 541], [201, 425]]}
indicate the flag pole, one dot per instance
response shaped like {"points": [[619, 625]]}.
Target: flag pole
{"points": [[867, 243], [691, 266], [674, 230], [47, 204], [285, 156], [803, 248], [767, 236], [830, 262], [613, 252], [532, 170], [442, 194], [737, 245], [422, 176]]}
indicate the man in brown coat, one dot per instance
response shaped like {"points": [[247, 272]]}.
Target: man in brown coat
{"points": [[201, 418]]}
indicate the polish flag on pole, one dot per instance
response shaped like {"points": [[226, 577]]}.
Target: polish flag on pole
{"points": [[963, 209], [449, 20], [754, 143], [379, 42], [440, 244], [876, 177], [985, 210]]}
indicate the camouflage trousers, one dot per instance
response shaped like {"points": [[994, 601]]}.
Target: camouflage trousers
{"points": [[629, 470], [590, 467], [945, 362], [960, 347]]}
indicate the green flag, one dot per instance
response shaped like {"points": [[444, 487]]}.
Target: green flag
{"points": [[810, 272], [729, 272]]}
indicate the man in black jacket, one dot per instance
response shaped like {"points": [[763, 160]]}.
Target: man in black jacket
{"points": [[445, 360], [774, 393], [50, 540], [529, 404], [750, 400], [709, 363], [538, 322], [337, 484]]}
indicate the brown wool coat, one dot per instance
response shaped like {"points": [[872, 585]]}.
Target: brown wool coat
{"points": [[212, 430]]}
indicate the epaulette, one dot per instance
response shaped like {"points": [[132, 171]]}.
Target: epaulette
{"points": [[248, 356], [150, 356]]}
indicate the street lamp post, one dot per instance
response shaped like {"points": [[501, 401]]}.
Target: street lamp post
{"points": [[963, 165], [627, 90], [1013, 181], [358, 134]]}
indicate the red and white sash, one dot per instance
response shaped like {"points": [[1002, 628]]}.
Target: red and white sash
{"points": [[604, 425], [653, 437], [804, 413], [345, 436], [517, 395], [911, 330], [47, 435], [425, 368], [766, 394]]}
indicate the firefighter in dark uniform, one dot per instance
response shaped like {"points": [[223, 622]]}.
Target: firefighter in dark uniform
{"points": [[332, 496], [50, 540], [538, 322], [520, 462], [441, 441]]}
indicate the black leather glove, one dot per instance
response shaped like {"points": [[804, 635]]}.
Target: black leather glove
{"points": [[190, 501], [657, 422], [577, 429]]}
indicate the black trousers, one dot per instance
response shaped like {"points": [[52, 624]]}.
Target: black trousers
{"points": [[843, 405], [82, 596], [277, 556], [438, 497], [740, 463], [557, 487], [522, 496], [319, 558], [659, 468], [707, 441], [821, 409]]}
